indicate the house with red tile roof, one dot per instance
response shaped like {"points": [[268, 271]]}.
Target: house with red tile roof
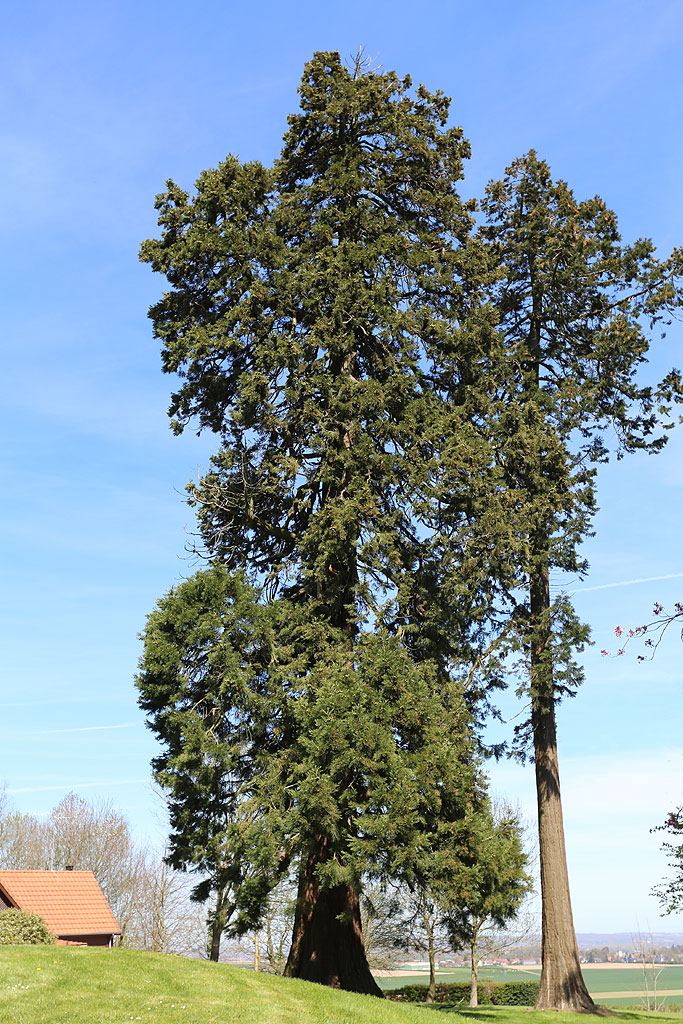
{"points": [[71, 904]]}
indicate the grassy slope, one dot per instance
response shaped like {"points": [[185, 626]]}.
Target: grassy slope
{"points": [[48, 985], [89, 986]]}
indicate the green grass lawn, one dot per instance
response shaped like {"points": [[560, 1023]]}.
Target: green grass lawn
{"points": [[52, 985], [48, 985]]}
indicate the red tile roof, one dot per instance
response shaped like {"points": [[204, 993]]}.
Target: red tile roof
{"points": [[70, 902]]}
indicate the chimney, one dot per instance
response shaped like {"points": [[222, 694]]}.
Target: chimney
{"points": [[69, 867]]}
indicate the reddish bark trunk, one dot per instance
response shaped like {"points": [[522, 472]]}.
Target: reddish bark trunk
{"points": [[327, 941], [562, 986]]}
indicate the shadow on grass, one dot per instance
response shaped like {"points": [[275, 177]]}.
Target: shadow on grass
{"points": [[483, 1013], [630, 1012], [489, 1014]]}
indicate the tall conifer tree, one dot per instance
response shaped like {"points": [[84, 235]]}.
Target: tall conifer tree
{"points": [[304, 307], [576, 309]]}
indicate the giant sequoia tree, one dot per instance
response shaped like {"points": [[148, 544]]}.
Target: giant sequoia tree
{"points": [[306, 300], [576, 309]]}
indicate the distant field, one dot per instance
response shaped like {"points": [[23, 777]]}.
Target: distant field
{"points": [[459, 974], [616, 985]]}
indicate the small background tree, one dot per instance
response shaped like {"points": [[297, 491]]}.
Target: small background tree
{"points": [[422, 927], [269, 943], [383, 931], [490, 892]]}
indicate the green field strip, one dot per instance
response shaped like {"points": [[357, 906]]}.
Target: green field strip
{"points": [[632, 980], [621, 986], [459, 974]]}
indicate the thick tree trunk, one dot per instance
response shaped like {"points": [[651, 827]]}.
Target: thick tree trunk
{"points": [[562, 985], [327, 941]]}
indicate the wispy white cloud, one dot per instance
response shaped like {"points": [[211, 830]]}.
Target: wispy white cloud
{"points": [[633, 787]]}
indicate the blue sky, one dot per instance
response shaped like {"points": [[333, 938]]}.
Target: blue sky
{"points": [[100, 105]]}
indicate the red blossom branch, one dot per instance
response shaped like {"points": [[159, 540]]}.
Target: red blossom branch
{"points": [[656, 630]]}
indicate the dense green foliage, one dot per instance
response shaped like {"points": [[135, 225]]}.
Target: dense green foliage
{"points": [[491, 993], [576, 310], [307, 302], [18, 927], [271, 739]]}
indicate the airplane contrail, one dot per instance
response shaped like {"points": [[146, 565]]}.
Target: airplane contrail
{"points": [[87, 728], [628, 583]]}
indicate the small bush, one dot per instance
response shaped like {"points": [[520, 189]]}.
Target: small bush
{"points": [[515, 993], [489, 993], [444, 993], [18, 928]]}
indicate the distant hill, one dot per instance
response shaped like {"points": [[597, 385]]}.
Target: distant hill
{"points": [[627, 940]]}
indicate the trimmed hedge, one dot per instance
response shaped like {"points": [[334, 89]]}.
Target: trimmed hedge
{"points": [[516, 993], [19, 928], [490, 993]]}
